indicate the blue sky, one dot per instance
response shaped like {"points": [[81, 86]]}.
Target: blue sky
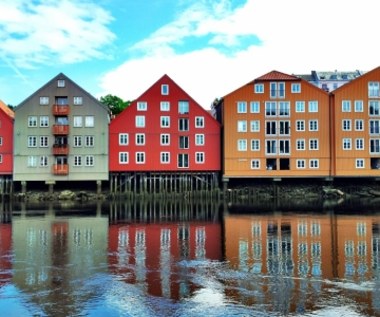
{"points": [[209, 48]]}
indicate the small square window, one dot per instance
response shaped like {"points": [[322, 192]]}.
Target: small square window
{"points": [[78, 101], [164, 105], [142, 106], [44, 101], [61, 83]]}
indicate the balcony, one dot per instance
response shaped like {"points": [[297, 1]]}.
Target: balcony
{"points": [[60, 129], [60, 169], [61, 110], [60, 149]]}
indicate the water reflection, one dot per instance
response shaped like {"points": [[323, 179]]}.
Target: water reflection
{"points": [[181, 259]]}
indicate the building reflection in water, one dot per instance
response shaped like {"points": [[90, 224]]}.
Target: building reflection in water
{"points": [[55, 256], [151, 251], [292, 259]]}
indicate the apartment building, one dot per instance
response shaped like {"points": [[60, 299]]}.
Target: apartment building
{"points": [[60, 135]]}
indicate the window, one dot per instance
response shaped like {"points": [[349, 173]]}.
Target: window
{"points": [[77, 141], [44, 141], [300, 106], [1, 158], [374, 108], [359, 106], [199, 122], [165, 139], [346, 106], [284, 146], [271, 147], [255, 126], [32, 161], [199, 139], [284, 127], [89, 121], [255, 145], [183, 107], [241, 107], [270, 108], [1, 140], [242, 126], [89, 140], [259, 88], [78, 101], [32, 141], [300, 144], [43, 161], [165, 122], [142, 106], [277, 90], [123, 138], [346, 144], [77, 160], [255, 164], [183, 124], [242, 145], [61, 101], [44, 121], [313, 144], [61, 83], [140, 157], [346, 125], [140, 121], [359, 144], [359, 125], [89, 160], [313, 125], [44, 101], [284, 108], [359, 163], [373, 89], [300, 163], [78, 121], [183, 160], [374, 145], [32, 121], [123, 157], [314, 163], [296, 88], [183, 142], [199, 157], [164, 105], [140, 139], [374, 126], [255, 106], [165, 157], [300, 125], [313, 106], [164, 89], [271, 128]]}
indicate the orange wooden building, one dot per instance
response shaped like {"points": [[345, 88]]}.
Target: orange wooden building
{"points": [[355, 138], [276, 126]]}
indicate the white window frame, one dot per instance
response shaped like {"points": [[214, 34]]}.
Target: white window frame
{"points": [[241, 107], [313, 144], [359, 125], [142, 106], [346, 105], [165, 139], [89, 160], [254, 107], [44, 141], [78, 121], [296, 88], [183, 107], [164, 105], [44, 100], [77, 160], [346, 144], [255, 125], [359, 105], [44, 161], [241, 125], [313, 163], [164, 89], [255, 145], [32, 161], [300, 164], [123, 157], [200, 139], [44, 121], [140, 157], [313, 125], [89, 141], [359, 144], [300, 145], [313, 106], [123, 138], [255, 164], [300, 106], [165, 157], [32, 141], [140, 121], [242, 145], [77, 141], [140, 139], [359, 163], [78, 100], [32, 121], [300, 125], [89, 121], [199, 122], [259, 88], [61, 83], [199, 157]]}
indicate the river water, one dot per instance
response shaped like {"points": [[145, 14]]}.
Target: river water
{"points": [[181, 259]]}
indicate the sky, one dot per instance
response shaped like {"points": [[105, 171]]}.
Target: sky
{"points": [[209, 48]]}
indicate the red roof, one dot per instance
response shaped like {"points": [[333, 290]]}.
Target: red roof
{"points": [[7, 110], [275, 75]]}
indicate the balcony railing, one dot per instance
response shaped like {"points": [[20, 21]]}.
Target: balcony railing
{"points": [[61, 110], [60, 169], [60, 149], [60, 129]]}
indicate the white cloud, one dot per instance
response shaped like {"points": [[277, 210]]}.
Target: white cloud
{"points": [[296, 36], [47, 32]]}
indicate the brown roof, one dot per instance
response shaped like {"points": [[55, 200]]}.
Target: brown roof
{"points": [[275, 75], [6, 109]]}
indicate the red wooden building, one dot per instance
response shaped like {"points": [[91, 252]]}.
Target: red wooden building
{"points": [[6, 147], [164, 139]]}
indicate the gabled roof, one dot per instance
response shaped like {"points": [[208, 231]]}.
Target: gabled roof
{"points": [[53, 80], [275, 75], [8, 111]]}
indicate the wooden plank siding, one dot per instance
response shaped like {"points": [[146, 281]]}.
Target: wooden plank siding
{"points": [[356, 129], [6, 139], [239, 163]]}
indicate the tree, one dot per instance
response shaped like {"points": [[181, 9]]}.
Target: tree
{"points": [[114, 103]]}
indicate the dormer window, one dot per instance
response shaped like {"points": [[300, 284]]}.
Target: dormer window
{"points": [[61, 83]]}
